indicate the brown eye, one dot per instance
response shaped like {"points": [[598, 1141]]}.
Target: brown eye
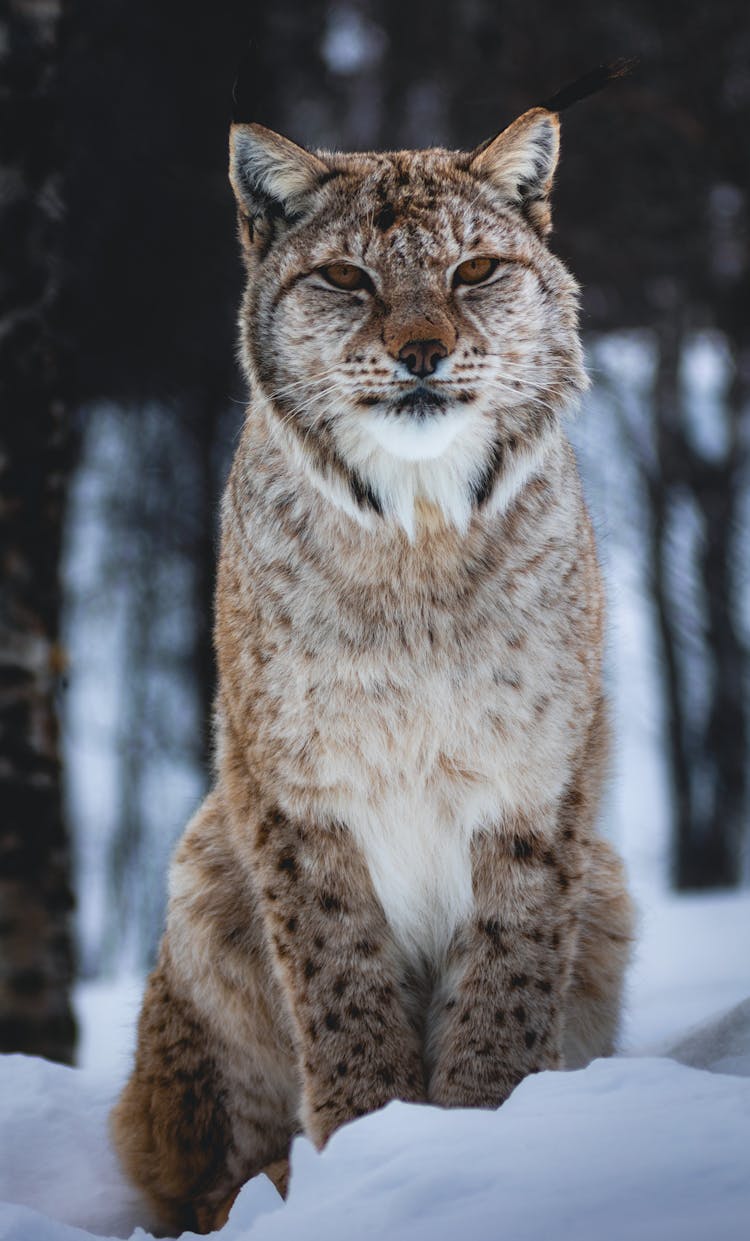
{"points": [[346, 276], [474, 271]]}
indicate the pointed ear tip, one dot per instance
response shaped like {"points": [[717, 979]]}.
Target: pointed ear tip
{"points": [[547, 123], [239, 129], [251, 133], [542, 114]]}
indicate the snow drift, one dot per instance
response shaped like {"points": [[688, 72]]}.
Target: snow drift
{"points": [[634, 1147]]}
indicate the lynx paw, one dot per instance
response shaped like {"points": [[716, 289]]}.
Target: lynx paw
{"points": [[210, 1218]]}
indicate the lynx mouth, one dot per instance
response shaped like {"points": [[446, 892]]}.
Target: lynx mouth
{"points": [[421, 402], [417, 402]]}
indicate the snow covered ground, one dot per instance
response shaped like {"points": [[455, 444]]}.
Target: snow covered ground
{"points": [[636, 1147]]}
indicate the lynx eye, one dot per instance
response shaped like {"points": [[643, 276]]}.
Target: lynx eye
{"points": [[346, 276], [474, 271]]}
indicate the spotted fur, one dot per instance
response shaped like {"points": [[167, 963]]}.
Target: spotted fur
{"points": [[395, 889]]}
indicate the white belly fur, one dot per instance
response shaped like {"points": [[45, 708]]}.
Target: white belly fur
{"points": [[420, 869], [415, 832]]}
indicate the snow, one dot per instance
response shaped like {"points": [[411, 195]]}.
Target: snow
{"points": [[54, 1152], [692, 961], [107, 1010], [652, 1144]]}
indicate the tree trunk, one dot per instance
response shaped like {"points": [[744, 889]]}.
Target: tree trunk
{"points": [[713, 856], [36, 953], [706, 748], [661, 488]]}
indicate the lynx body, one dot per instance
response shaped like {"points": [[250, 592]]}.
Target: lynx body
{"points": [[395, 888]]}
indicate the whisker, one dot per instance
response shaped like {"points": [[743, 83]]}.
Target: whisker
{"points": [[308, 381]]}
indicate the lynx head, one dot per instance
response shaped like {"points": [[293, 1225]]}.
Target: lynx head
{"points": [[411, 335]]}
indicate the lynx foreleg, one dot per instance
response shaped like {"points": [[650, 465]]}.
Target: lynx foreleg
{"points": [[357, 1048], [498, 1015]]}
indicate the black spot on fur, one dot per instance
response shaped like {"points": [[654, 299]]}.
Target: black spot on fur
{"points": [[332, 1021], [519, 1012], [522, 849], [482, 488], [492, 929], [364, 496], [385, 218]]}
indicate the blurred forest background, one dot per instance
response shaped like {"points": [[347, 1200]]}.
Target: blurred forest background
{"points": [[120, 401]]}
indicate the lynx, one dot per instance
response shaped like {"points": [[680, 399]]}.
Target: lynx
{"points": [[395, 889]]}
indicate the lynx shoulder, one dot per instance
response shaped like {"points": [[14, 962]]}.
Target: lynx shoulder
{"points": [[396, 888]]}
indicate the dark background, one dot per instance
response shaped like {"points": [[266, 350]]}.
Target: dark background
{"points": [[120, 397]]}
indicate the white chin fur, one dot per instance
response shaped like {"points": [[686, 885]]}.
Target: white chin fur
{"points": [[432, 461], [415, 439]]}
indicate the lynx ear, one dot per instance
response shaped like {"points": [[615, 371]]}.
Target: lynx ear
{"points": [[521, 163], [270, 175]]}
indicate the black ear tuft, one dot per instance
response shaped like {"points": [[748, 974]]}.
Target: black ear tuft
{"points": [[246, 103], [589, 83]]}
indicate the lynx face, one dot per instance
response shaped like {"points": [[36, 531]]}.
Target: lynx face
{"points": [[413, 336]]}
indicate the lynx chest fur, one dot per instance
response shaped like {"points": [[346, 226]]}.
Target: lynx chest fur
{"points": [[396, 888], [417, 708]]}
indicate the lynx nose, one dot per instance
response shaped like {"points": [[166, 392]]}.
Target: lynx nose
{"points": [[422, 356]]}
